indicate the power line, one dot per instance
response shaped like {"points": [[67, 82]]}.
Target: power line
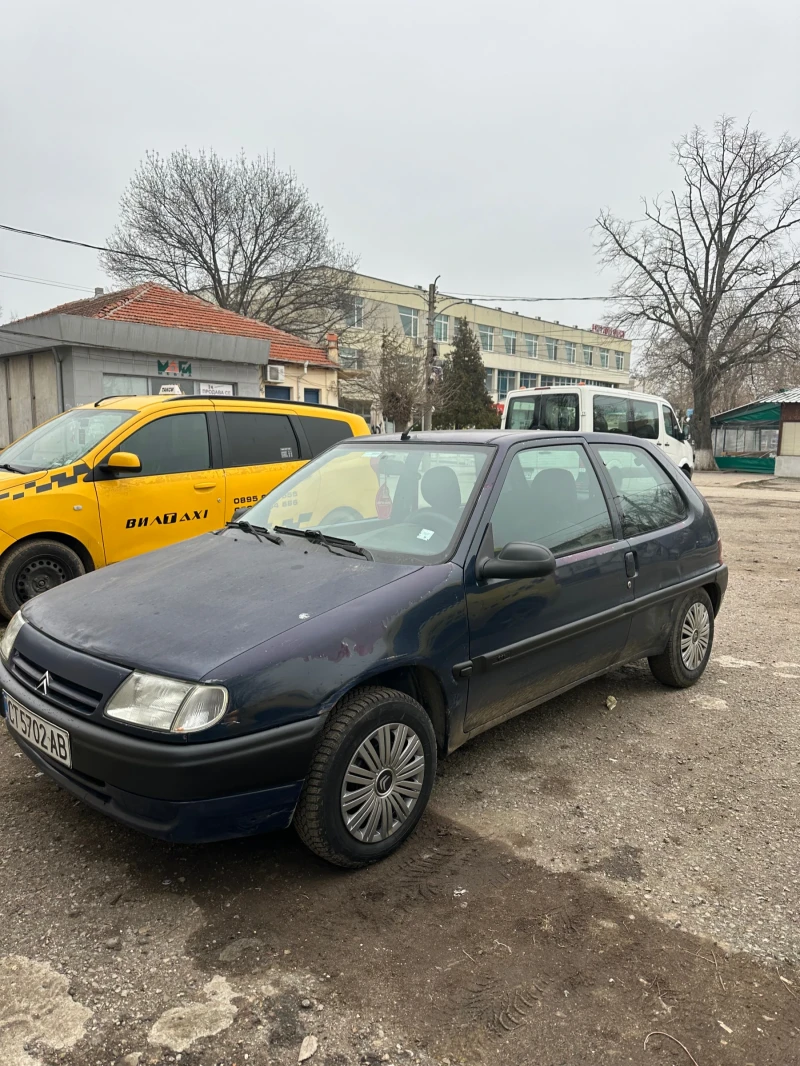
{"points": [[45, 281]]}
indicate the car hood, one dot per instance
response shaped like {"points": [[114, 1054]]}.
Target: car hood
{"points": [[184, 610], [10, 482]]}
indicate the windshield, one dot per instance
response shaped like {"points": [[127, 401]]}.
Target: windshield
{"points": [[63, 440], [403, 502]]}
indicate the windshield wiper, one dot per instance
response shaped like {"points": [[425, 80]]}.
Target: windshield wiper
{"points": [[259, 532], [13, 469], [316, 536]]}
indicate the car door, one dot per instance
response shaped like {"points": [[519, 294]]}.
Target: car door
{"points": [[672, 437], [259, 450], [530, 637], [656, 522], [177, 494]]}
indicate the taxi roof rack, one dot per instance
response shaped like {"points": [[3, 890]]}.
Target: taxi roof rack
{"points": [[256, 399]]}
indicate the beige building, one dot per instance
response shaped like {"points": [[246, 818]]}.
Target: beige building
{"points": [[519, 351]]}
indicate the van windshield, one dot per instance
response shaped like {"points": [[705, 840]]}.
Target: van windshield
{"points": [[544, 410], [62, 440]]}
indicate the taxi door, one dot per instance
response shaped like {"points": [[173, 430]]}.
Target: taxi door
{"points": [[179, 492], [259, 450]]}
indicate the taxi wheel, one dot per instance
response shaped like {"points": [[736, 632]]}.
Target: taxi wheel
{"points": [[370, 777], [34, 567]]}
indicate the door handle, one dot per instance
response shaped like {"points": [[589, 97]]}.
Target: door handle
{"points": [[204, 486], [631, 570]]}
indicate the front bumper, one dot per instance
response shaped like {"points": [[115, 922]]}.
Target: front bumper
{"points": [[191, 792]]}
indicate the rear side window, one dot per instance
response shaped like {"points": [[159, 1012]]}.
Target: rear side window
{"points": [[323, 432], [254, 439], [557, 410], [610, 414], [174, 444], [644, 419], [647, 497], [523, 413]]}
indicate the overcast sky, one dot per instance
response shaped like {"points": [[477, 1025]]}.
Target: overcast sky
{"points": [[472, 140]]}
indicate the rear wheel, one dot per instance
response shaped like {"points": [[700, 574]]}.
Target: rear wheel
{"points": [[370, 778], [686, 656], [35, 567]]}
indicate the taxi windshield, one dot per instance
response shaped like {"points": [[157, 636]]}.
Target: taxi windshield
{"points": [[62, 440], [401, 501]]}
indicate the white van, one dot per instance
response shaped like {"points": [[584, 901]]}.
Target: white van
{"points": [[592, 408]]}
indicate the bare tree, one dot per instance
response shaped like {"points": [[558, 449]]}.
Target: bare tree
{"points": [[392, 378], [241, 232], [716, 265]]}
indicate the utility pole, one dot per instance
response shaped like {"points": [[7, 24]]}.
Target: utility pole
{"points": [[430, 356]]}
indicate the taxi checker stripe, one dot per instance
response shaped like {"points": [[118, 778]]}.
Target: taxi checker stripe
{"points": [[59, 480]]}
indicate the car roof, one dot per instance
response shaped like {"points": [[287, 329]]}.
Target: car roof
{"points": [[506, 437], [139, 403], [609, 390]]}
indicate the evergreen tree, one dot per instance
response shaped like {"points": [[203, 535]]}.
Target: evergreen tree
{"points": [[461, 400]]}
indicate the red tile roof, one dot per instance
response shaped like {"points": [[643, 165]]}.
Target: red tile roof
{"points": [[156, 305]]}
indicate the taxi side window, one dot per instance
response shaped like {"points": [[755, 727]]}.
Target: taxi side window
{"points": [[173, 444], [253, 439], [323, 432]]}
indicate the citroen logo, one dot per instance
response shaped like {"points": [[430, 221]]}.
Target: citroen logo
{"points": [[44, 683]]}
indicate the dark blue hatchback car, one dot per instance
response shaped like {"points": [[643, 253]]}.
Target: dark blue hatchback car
{"points": [[311, 669]]}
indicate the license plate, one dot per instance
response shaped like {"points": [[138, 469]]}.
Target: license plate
{"points": [[45, 736]]}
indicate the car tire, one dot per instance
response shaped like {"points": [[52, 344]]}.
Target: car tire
{"points": [[686, 655], [354, 774], [33, 567], [687, 471]]}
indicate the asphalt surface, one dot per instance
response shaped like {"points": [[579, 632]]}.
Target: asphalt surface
{"points": [[610, 878]]}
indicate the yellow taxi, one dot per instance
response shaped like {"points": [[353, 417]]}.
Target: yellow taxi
{"points": [[128, 474]]}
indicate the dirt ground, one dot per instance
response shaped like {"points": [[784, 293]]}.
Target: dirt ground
{"points": [[586, 876]]}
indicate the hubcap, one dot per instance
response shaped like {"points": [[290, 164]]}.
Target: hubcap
{"points": [[38, 576], [695, 635], [383, 783]]}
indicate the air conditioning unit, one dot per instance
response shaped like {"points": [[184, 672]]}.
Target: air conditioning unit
{"points": [[275, 373]]}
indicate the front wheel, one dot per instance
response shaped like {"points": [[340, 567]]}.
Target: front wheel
{"points": [[687, 471], [686, 656], [34, 567], [370, 777]]}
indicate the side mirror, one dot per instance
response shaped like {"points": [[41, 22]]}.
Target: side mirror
{"points": [[517, 560], [239, 513], [123, 462]]}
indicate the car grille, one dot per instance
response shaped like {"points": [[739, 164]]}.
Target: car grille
{"points": [[62, 693]]}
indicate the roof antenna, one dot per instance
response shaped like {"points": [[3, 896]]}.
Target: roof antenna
{"points": [[406, 434]]}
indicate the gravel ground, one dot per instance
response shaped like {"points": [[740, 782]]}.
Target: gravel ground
{"points": [[587, 875]]}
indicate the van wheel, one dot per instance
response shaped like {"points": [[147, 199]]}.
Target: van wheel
{"points": [[687, 471], [32, 568], [686, 656], [370, 777]]}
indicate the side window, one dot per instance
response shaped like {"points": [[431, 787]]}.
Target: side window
{"points": [[522, 413], [644, 419], [670, 423], [559, 411], [647, 497], [255, 439], [173, 444], [323, 432], [610, 414], [551, 496]]}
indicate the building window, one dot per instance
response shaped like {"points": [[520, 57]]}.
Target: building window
{"points": [[604, 357], [356, 317], [124, 385], [351, 359], [531, 345], [587, 355], [553, 379], [527, 381], [620, 360], [510, 341], [506, 381], [311, 395], [409, 319], [569, 351], [487, 338], [489, 379], [356, 407], [552, 348], [441, 329]]}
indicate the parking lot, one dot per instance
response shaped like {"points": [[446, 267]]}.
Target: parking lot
{"points": [[621, 862]]}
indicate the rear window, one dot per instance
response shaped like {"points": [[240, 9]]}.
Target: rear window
{"points": [[254, 439], [545, 410], [323, 432]]}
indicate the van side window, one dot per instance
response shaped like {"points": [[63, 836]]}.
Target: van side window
{"points": [[559, 410], [254, 439], [647, 497], [670, 423], [523, 413], [172, 444], [644, 419], [610, 414], [323, 432]]}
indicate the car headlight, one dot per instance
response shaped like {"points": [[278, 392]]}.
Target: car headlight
{"points": [[171, 706], [10, 635]]}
